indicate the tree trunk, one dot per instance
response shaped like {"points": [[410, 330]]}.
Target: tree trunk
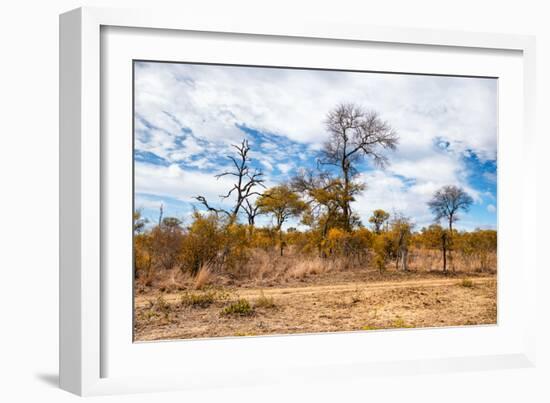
{"points": [[347, 210], [281, 246], [324, 237], [161, 211], [404, 258], [444, 255], [450, 242]]}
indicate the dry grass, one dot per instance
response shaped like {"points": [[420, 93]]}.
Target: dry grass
{"points": [[432, 260], [165, 281], [264, 302], [305, 268], [203, 277], [268, 269], [270, 266]]}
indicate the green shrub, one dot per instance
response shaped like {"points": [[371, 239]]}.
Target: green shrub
{"points": [[202, 299], [244, 334], [399, 323], [160, 305], [239, 308], [466, 282]]}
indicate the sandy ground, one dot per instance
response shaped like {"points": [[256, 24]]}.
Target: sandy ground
{"points": [[430, 302]]}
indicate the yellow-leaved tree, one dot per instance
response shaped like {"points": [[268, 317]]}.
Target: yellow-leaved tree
{"points": [[281, 203]]}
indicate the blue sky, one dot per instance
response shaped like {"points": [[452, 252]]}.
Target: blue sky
{"points": [[187, 116]]}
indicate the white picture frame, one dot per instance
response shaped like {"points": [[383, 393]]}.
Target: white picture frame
{"points": [[86, 346]]}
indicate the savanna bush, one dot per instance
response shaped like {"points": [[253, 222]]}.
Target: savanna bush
{"points": [[477, 247], [361, 241], [143, 258], [235, 248], [263, 238], [202, 244], [165, 245], [212, 242], [337, 242], [384, 249]]}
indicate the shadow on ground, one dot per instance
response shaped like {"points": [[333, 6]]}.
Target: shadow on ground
{"points": [[49, 379]]}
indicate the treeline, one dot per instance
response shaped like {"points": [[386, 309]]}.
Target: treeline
{"points": [[320, 199], [210, 241]]}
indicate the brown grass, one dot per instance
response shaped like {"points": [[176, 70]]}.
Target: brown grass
{"points": [[203, 277], [264, 302], [269, 269], [166, 281], [432, 260]]}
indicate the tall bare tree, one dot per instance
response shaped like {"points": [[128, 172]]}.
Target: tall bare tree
{"points": [[246, 181], [355, 133]]}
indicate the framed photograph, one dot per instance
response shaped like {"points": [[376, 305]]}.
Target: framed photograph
{"points": [[290, 200]]}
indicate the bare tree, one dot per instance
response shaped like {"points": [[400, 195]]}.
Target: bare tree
{"points": [[161, 212], [252, 210], [245, 183], [354, 134], [139, 222], [445, 204]]}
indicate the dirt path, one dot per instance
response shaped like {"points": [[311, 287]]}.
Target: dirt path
{"points": [[292, 292]]}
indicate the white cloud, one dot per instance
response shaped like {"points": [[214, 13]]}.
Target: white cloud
{"points": [[211, 100], [491, 208], [392, 194], [285, 167], [395, 195], [147, 203], [267, 165], [172, 181]]}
